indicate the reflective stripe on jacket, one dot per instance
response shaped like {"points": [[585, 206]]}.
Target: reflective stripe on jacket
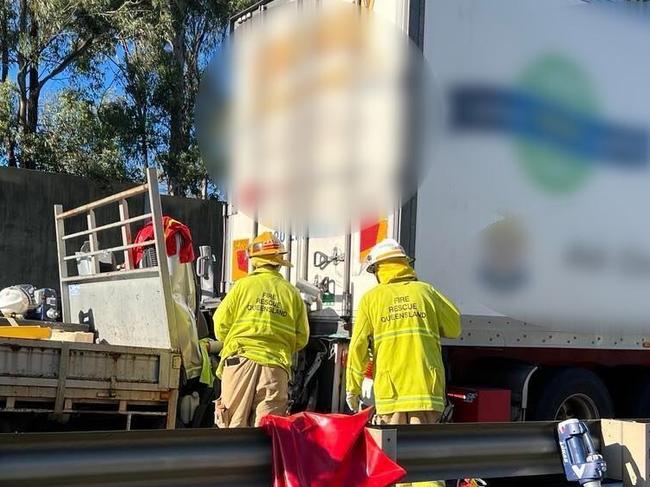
{"points": [[262, 318], [405, 319]]}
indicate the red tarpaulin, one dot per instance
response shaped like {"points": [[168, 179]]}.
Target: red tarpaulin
{"points": [[325, 450]]}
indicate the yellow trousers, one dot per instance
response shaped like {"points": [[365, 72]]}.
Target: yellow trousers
{"points": [[250, 391]]}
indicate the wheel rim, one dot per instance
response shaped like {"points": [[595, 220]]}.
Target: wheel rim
{"points": [[578, 406]]}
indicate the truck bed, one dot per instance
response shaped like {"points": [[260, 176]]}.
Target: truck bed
{"points": [[67, 377]]}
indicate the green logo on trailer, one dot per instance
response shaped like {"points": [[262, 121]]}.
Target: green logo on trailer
{"points": [[558, 97]]}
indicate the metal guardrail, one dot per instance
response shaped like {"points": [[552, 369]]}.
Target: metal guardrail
{"points": [[137, 458], [243, 457], [484, 450]]}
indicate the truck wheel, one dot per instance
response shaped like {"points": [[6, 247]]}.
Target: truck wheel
{"points": [[572, 393], [638, 402]]}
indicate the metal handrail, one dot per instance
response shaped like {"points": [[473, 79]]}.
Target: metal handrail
{"points": [[117, 224], [243, 456], [114, 198]]}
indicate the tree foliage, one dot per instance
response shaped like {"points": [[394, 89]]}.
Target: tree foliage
{"points": [[105, 88], [79, 137]]}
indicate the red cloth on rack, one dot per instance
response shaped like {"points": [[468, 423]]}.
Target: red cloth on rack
{"points": [[171, 228], [323, 450]]}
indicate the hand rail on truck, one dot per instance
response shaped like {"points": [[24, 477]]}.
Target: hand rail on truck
{"points": [[124, 223], [243, 456]]}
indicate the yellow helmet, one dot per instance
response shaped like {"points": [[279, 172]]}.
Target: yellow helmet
{"points": [[267, 249], [266, 244], [384, 250]]}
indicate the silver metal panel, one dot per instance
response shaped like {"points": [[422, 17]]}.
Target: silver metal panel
{"points": [[37, 363], [130, 367], [496, 331], [28, 361], [125, 312]]}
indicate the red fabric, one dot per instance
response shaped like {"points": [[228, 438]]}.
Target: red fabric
{"points": [[323, 450], [369, 370], [171, 228]]}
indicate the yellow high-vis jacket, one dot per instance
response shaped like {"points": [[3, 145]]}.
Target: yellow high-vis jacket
{"points": [[262, 318], [405, 318]]}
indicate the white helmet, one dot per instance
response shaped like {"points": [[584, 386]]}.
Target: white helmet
{"points": [[386, 249], [17, 300]]}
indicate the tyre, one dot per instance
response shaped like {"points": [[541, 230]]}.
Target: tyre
{"points": [[637, 402], [572, 393]]}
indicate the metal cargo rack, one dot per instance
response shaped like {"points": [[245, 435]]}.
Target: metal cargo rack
{"points": [[134, 366]]}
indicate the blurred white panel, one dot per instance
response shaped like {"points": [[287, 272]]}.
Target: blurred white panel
{"points": [[536, 203]]}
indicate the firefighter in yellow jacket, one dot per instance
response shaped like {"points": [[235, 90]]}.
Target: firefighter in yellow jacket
{"points": [[402, 319], [262, 322]]}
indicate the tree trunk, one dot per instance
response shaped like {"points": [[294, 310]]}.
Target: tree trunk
{"points": [[11, 152], [22, 106], [32, 117], [4, 41], [204, 188], [32, 108], [145, 147], [10, 144], [143, 110], [178, 135], [34, 87], [28, 95], [21, 76]]}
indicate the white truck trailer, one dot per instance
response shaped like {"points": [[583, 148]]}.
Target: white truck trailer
{"points": [[530, 216]]}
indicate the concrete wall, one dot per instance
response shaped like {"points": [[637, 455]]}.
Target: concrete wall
{"points": [[27, 235]]}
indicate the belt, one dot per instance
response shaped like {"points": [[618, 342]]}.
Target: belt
{"points": [[232, 361]]}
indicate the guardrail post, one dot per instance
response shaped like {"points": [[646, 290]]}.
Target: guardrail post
{"points": [[625, 446], [386, 439]]}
